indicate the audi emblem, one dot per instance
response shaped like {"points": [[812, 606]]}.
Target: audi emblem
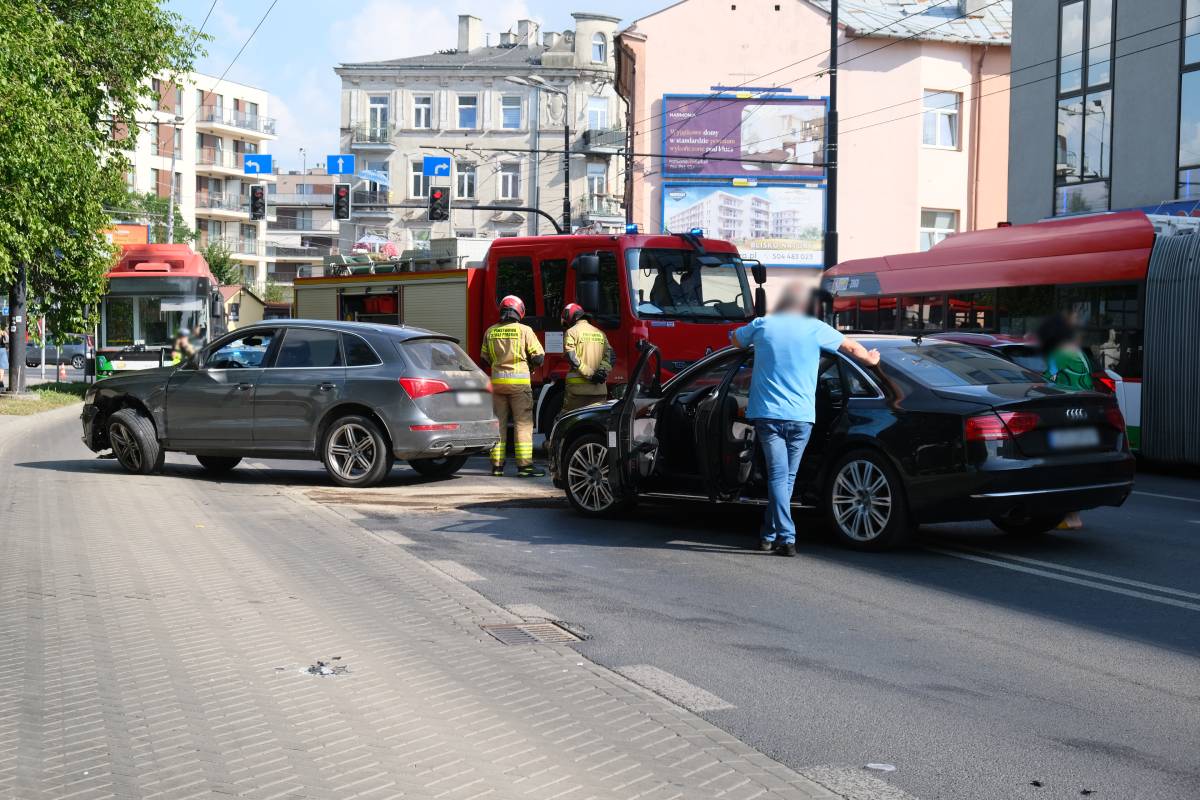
{"points": [[1077, 414]]}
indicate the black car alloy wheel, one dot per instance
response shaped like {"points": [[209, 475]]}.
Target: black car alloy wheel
{"points": [[586, 471], [134, 443], [355, 452], [865, 501]]}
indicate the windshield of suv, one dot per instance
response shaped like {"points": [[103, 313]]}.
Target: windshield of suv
{"points": [[946, 365], [672, 284]]}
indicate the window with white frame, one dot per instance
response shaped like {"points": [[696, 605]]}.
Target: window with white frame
{"points": [[418, 185], [422, 111], [464, 180], [939, 126], [597, 113], [597, 178], [936, 225], [510, 112], [599, 49], [510, 181], [378, 114], [468, 111]]}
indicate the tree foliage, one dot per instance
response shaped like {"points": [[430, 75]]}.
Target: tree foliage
{"points": [[227, 271], [152, 210], [73, 86]]}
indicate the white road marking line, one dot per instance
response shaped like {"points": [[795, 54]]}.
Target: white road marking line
{"points": [[457, 571], [1168, 496], [1068, 579], [1077, 571], [853, 783], [675, 689]]}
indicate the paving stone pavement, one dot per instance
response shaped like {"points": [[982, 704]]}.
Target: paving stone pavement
{"points": [[155, 634]]}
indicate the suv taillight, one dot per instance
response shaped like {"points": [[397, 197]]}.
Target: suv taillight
{"points": [[1114, 417], [1001, 425], [423, 387], [1103, 384]]}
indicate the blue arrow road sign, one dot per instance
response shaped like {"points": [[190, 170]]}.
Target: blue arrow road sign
{"points": [[340, 164], [256, 164], [436, 166]]}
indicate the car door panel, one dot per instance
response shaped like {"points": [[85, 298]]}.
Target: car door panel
{"points": [[831, 400], [293, 395], [210, 405]]}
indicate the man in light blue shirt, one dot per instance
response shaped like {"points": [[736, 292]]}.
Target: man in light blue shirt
{"points": [[783, 387]]}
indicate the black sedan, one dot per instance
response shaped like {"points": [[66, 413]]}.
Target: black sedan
{"points": [[938, 432]]}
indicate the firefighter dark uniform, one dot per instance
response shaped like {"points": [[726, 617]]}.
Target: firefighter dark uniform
{"points": [[510, 348], [591, 357]]}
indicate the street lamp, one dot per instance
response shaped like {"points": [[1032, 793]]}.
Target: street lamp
{"points": [[538, 82], [171, 203]]}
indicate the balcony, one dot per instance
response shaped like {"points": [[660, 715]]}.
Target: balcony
{"points": [[303, 225], [222, 205], [603, 141], [325, 199], [605, 209], [296, 254], [238, 122], [362, 198], [371, 137]]}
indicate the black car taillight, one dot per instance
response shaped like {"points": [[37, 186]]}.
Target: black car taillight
{"points": [[1000, 425], [1114, 417], [423, 387]]}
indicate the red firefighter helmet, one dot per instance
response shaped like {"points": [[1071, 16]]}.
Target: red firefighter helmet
{"points": [[571, 313], [513, 304]]}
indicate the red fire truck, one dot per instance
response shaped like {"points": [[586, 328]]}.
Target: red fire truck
{"points": [[154, 291], [681, 291]]}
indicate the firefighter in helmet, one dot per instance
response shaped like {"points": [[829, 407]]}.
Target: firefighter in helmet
{"points": [[512, 348], [591, 357]]}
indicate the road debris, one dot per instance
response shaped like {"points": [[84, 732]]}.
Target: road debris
{"points": [[324, 668]]}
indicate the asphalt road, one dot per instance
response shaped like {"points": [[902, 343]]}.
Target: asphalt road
{"points": [[981, 667]]}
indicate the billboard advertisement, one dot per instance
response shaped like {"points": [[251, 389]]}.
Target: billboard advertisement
{"points": [[780, 225], [726, 136], [123, 234]]}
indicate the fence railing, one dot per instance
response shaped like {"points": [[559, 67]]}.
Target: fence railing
{"points": [[237, 119]]}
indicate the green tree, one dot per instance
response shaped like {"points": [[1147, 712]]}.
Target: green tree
{"points": [[152, 210], [73, 90], [273, 292], [220, 260]]}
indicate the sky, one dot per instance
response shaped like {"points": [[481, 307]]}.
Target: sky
{"points": [[294, 52]]}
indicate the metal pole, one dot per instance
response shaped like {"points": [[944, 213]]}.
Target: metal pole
{"points": [[171, 202], [831, 144], [566, 164], [16, 331]]}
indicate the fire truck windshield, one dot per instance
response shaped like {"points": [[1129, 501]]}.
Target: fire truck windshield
{"points": [[672, 284]]}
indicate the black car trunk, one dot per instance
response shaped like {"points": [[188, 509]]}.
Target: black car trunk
{"points": [[1061, 421]]}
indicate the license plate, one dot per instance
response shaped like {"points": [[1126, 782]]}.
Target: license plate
{"points": [[469, 398], [1073, 438]]}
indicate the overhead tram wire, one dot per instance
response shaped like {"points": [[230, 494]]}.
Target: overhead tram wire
{"points": [[238, 55], [206, 16], [868, 34]]}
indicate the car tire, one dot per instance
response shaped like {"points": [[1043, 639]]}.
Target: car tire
{"points": [[219, 465], [585, 478], [133, 441], [865, 502], [551, 408], [1028, 525], [78, 362], [355, 452], [437, 468]]}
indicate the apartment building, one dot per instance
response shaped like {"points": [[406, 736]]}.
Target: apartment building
{"points": [[302, 230], [201, 128], [923, 119], [1106, 115], [505, 138]]}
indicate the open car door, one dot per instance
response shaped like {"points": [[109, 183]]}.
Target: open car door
{"points": [[724, 437], [631, 441]]}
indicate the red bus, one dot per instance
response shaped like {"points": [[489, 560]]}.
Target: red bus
{"points": [[1131, 280]]}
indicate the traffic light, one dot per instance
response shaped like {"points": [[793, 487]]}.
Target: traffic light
{"points": [[341, 201], [258, 202], [439, 204]]}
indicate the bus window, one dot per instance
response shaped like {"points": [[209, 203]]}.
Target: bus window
{"points": [[933, 312], [972, 311], [514, 275], [1020, 309], [1109, 324], [877, 314], [845, 313], [554, 280]]}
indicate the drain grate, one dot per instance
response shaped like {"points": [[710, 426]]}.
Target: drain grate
{"points": [[530, 633]]}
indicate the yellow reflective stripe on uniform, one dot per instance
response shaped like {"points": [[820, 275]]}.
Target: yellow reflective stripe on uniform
{"points": [[576, 378], [510, 381]]}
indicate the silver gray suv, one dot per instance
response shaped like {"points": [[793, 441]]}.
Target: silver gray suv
{"points": [[355, 396]]}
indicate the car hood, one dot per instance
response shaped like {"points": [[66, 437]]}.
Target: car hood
{"points": [[140, 382]]}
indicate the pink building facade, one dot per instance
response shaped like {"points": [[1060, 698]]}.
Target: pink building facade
{"points": [[923, 107]]}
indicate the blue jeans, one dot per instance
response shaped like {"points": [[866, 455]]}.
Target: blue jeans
{"points": [[783, 444]]}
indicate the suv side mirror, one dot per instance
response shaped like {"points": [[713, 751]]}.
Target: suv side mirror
{"points": [[587, 281]]}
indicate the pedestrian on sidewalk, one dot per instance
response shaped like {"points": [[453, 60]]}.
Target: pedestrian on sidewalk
{"points": [[787, 355], [511, 348], [591, 357]]}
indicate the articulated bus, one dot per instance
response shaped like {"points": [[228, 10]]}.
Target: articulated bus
{"points": [[1131, 280]]}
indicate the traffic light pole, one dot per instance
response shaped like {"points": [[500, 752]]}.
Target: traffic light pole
{"points": [[566, 170]]}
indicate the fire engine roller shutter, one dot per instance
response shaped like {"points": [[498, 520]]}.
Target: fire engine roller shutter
{"points": [[1170, 369], [440, 306], [317, 302]]}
